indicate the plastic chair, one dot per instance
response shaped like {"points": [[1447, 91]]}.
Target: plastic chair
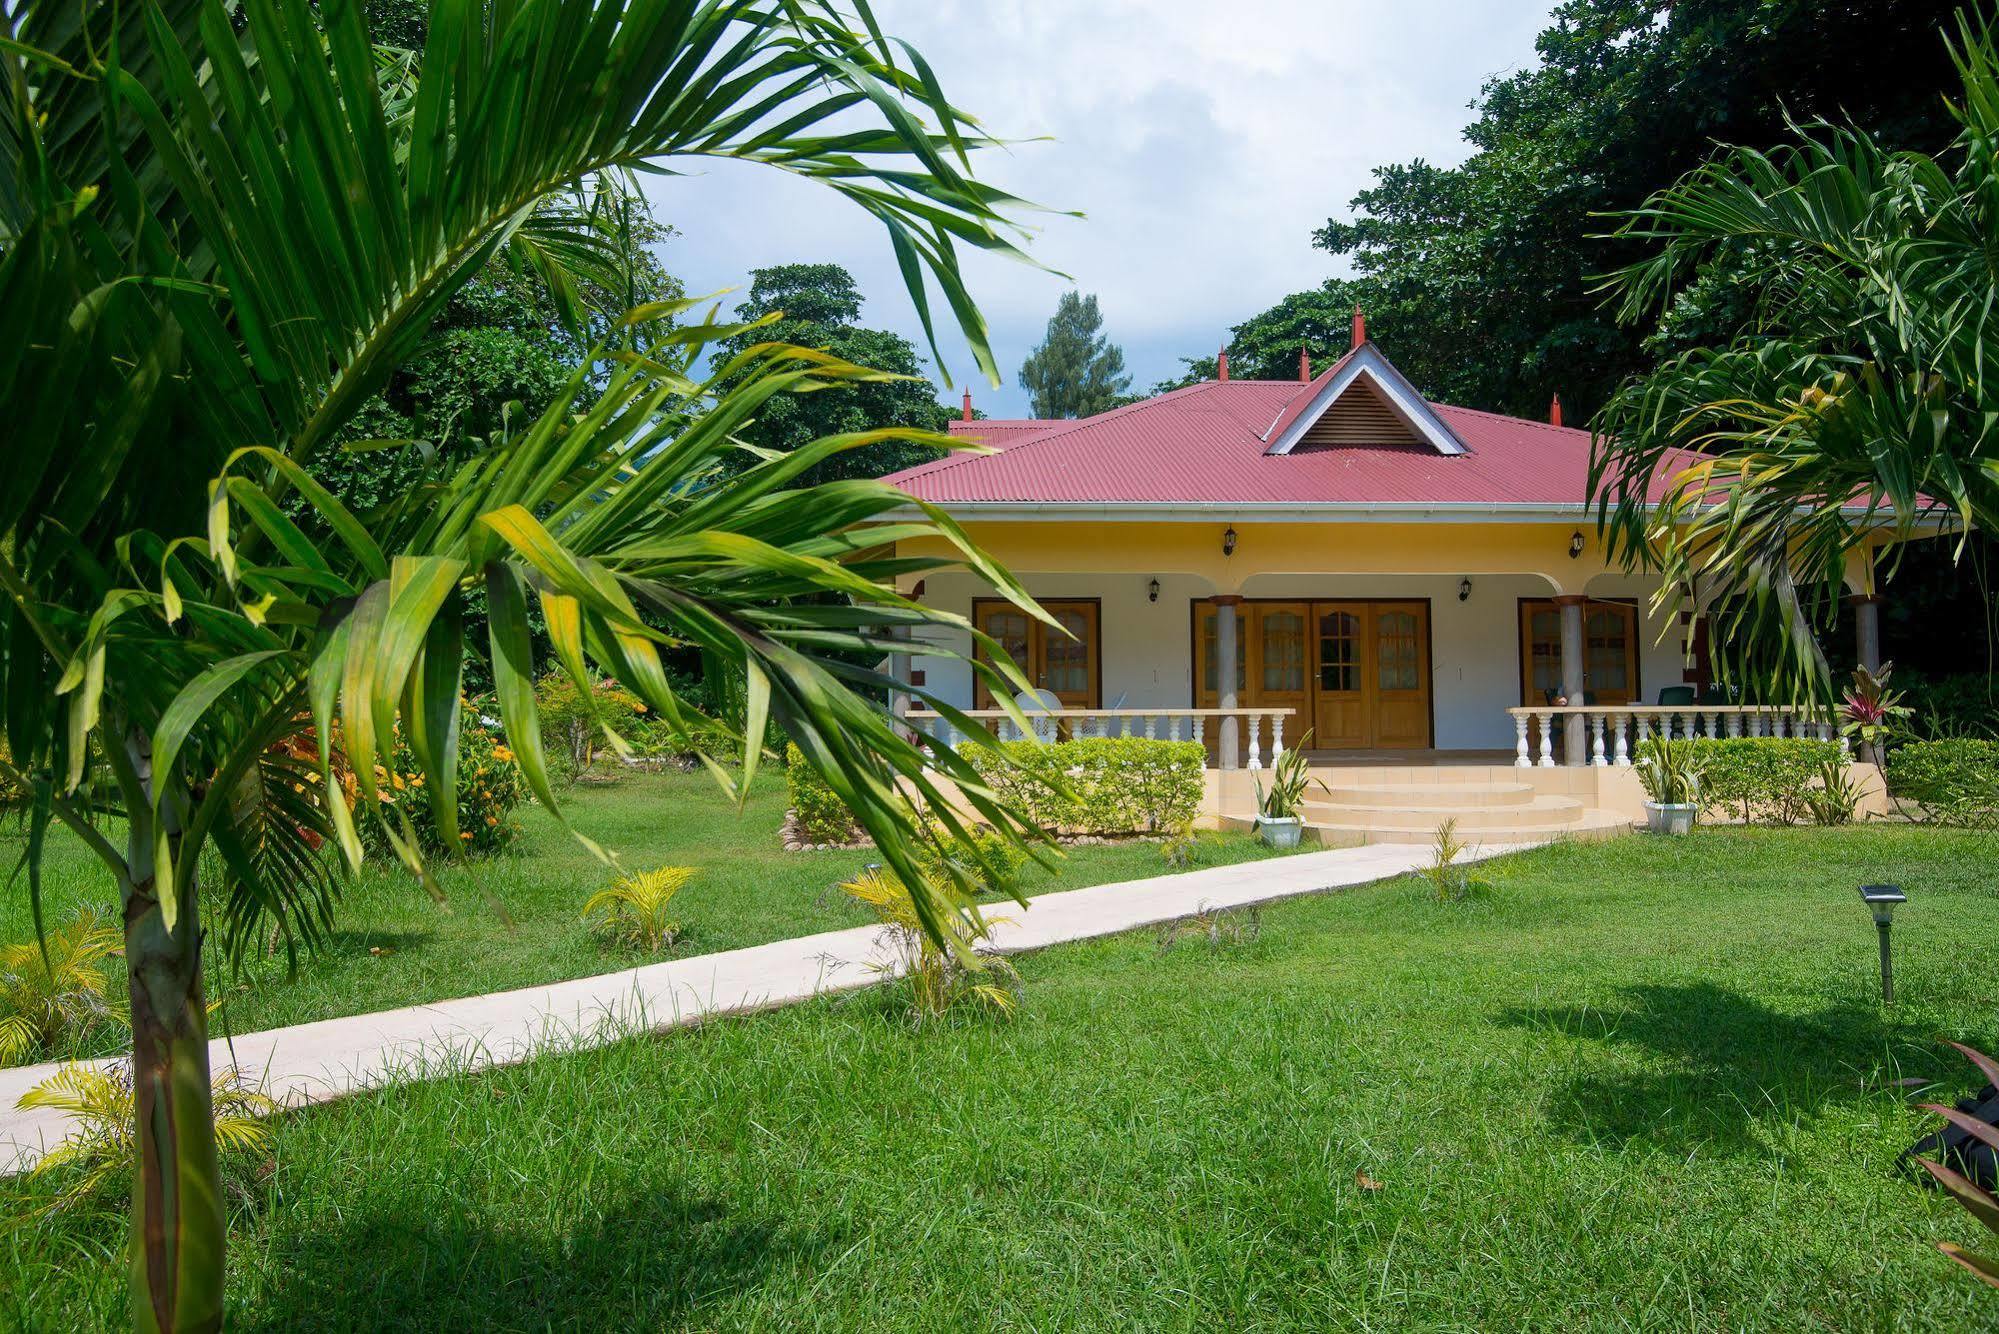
{"points": [[1677, 696]]}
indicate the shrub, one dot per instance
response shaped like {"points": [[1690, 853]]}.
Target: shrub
{"points": [[634, 910], [49, 1003], [573, 720], [490, 787], [1115, 785], [1952, 706], [1671, 772], [939, 974], [1765, 778], [822, 817], [1954, 781]]}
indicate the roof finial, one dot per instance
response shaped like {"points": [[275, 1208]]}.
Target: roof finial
{"points": [[1305, 365], [1359, 326], [1222, 365], [1555, 411], [968, 403]]}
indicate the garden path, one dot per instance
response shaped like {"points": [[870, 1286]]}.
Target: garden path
{"points": [[320, 1061]]}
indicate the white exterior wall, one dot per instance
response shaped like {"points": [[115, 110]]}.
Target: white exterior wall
{"points": [[1147, 647]]}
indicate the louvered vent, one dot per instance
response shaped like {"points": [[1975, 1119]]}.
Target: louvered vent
{"points": [[1360, 417]]}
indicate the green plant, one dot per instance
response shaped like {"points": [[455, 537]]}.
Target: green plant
{"points": [[103, 1145], [634, 910], [1217, 926], [224, 229], [1098, 785], [1872, 710], [1764, 778], [1979, 1202], [1670, 771], [1837, 795], [940, 973], [575, 719], [1850, 408], [55, 990], [1179, 847], [1953, 781], [1290, 779], [1449, 882], [1966, 705], [822, 817], [491, 787]]}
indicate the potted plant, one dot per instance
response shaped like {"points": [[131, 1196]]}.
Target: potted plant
{"points": [[1671, 773], [1278, 822]]}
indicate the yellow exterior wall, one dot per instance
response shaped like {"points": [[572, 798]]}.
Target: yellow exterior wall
{"points": [[1436, 547]]}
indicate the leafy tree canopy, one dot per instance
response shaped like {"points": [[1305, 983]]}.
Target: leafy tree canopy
{"points": [[1481, 278], [1077, 371], [819, 306]]}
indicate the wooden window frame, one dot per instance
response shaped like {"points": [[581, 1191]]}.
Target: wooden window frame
{"points": [[1520, 645], [1096, 685]]}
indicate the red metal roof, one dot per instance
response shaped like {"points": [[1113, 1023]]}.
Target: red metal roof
{"points": [[1206, 445]]}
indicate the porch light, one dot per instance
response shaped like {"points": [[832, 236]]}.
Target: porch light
{"points": [[1152, 591], [1881, 901], [1464, 590], [1575, 545], [1228, 542]]}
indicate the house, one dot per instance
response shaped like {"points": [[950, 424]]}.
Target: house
{"points": [[1255, 562]]}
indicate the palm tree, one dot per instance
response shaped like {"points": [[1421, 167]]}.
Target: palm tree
{"points": [[222, 227], [1855, 406]]}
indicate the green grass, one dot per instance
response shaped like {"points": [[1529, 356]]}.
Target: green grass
{"points": [[393, 946], [1641, 1084]]}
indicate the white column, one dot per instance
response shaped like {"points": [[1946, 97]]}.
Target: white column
{"points": [[1623, 749], [1255, 743], [1225, 670], [1734, 724], [1276, 739], [1547, 740], [1522, 757], [1200, 729], [1574, 679], [1596, 740]]}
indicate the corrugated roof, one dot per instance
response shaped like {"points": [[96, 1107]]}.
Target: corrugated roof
{"points": [[1206, 444]]}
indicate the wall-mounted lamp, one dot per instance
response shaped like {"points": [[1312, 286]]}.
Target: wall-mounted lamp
{"points": [[1575, 545], [1228, 542], [1464, 590], [1152, 591]]}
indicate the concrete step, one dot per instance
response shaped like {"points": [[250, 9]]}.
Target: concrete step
{"points": [[1429, 796], [1592, 824], [1533, 810]]}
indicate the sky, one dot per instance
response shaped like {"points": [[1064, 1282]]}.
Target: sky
{"points": [[1205, 140]]}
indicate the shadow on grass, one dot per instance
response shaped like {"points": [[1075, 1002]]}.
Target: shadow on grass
{"points": [[343, 943], [1734, 1062], [643, 1263]]}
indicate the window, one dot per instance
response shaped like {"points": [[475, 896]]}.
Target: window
{"points": [[1610, 652]]}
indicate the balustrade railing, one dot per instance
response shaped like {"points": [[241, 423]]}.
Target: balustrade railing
{"points": [[1612, 733], [1054, 725]]}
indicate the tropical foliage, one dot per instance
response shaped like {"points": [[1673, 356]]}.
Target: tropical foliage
{"points": [[56, 989], [1977, 1200], [1290, 779], [1767, 779], [636, 910], [1671, 772], [575, 719], [940, 974], [223, 230], [1854, 406], [821, 815], [1954, 780], [491, 787]]}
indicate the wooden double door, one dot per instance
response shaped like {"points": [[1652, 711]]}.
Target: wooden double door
{"points": [[1070, 666], [1356, 672]]}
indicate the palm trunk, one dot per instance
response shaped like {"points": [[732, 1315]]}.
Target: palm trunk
{"points": [[178, 1220]]}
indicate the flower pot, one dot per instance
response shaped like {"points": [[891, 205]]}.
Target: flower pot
{"points": [[1670, 818], [1279, 833]]}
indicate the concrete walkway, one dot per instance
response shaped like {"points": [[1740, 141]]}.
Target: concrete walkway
{"points": [[333, 1057]]}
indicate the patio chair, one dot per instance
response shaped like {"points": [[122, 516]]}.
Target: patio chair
{"points": [[1031, 701], [1677, 696]]}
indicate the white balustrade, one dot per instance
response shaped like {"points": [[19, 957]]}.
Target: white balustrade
{"points": [[1255, 726], [1616, 732], [1052, 726]]}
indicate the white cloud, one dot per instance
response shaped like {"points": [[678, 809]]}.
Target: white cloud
{"points": [[1205, 139]]}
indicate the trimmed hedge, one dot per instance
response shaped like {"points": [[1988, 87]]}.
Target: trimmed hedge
{"points": [[822, 816], [1763, 778], [1955, 781], [1116, 785]]}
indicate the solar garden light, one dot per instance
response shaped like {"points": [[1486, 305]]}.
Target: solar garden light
{"points": [[1881, 900]]}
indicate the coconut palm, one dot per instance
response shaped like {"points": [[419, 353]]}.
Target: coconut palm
{"points": [[1855, 406], [222, 227]]}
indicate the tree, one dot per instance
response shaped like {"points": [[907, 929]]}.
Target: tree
{"points": [[1077, 371], [818, 306], [1860, 379], [1481, 278], [223, 230]]}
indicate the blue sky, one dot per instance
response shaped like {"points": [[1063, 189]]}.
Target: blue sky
{"points": [[1204, 139]]}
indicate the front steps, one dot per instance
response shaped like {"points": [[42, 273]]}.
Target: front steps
{"points": [[1491, 804]]}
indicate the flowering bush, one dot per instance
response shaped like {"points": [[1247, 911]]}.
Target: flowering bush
{"points": [[572, 723], [490, 787]]}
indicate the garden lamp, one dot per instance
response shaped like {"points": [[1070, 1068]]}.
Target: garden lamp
{"points": [[1881, 901]]}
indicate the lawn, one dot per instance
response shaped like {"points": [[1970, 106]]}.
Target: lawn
{"points": [[1642, 1084], [394, 946]]}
